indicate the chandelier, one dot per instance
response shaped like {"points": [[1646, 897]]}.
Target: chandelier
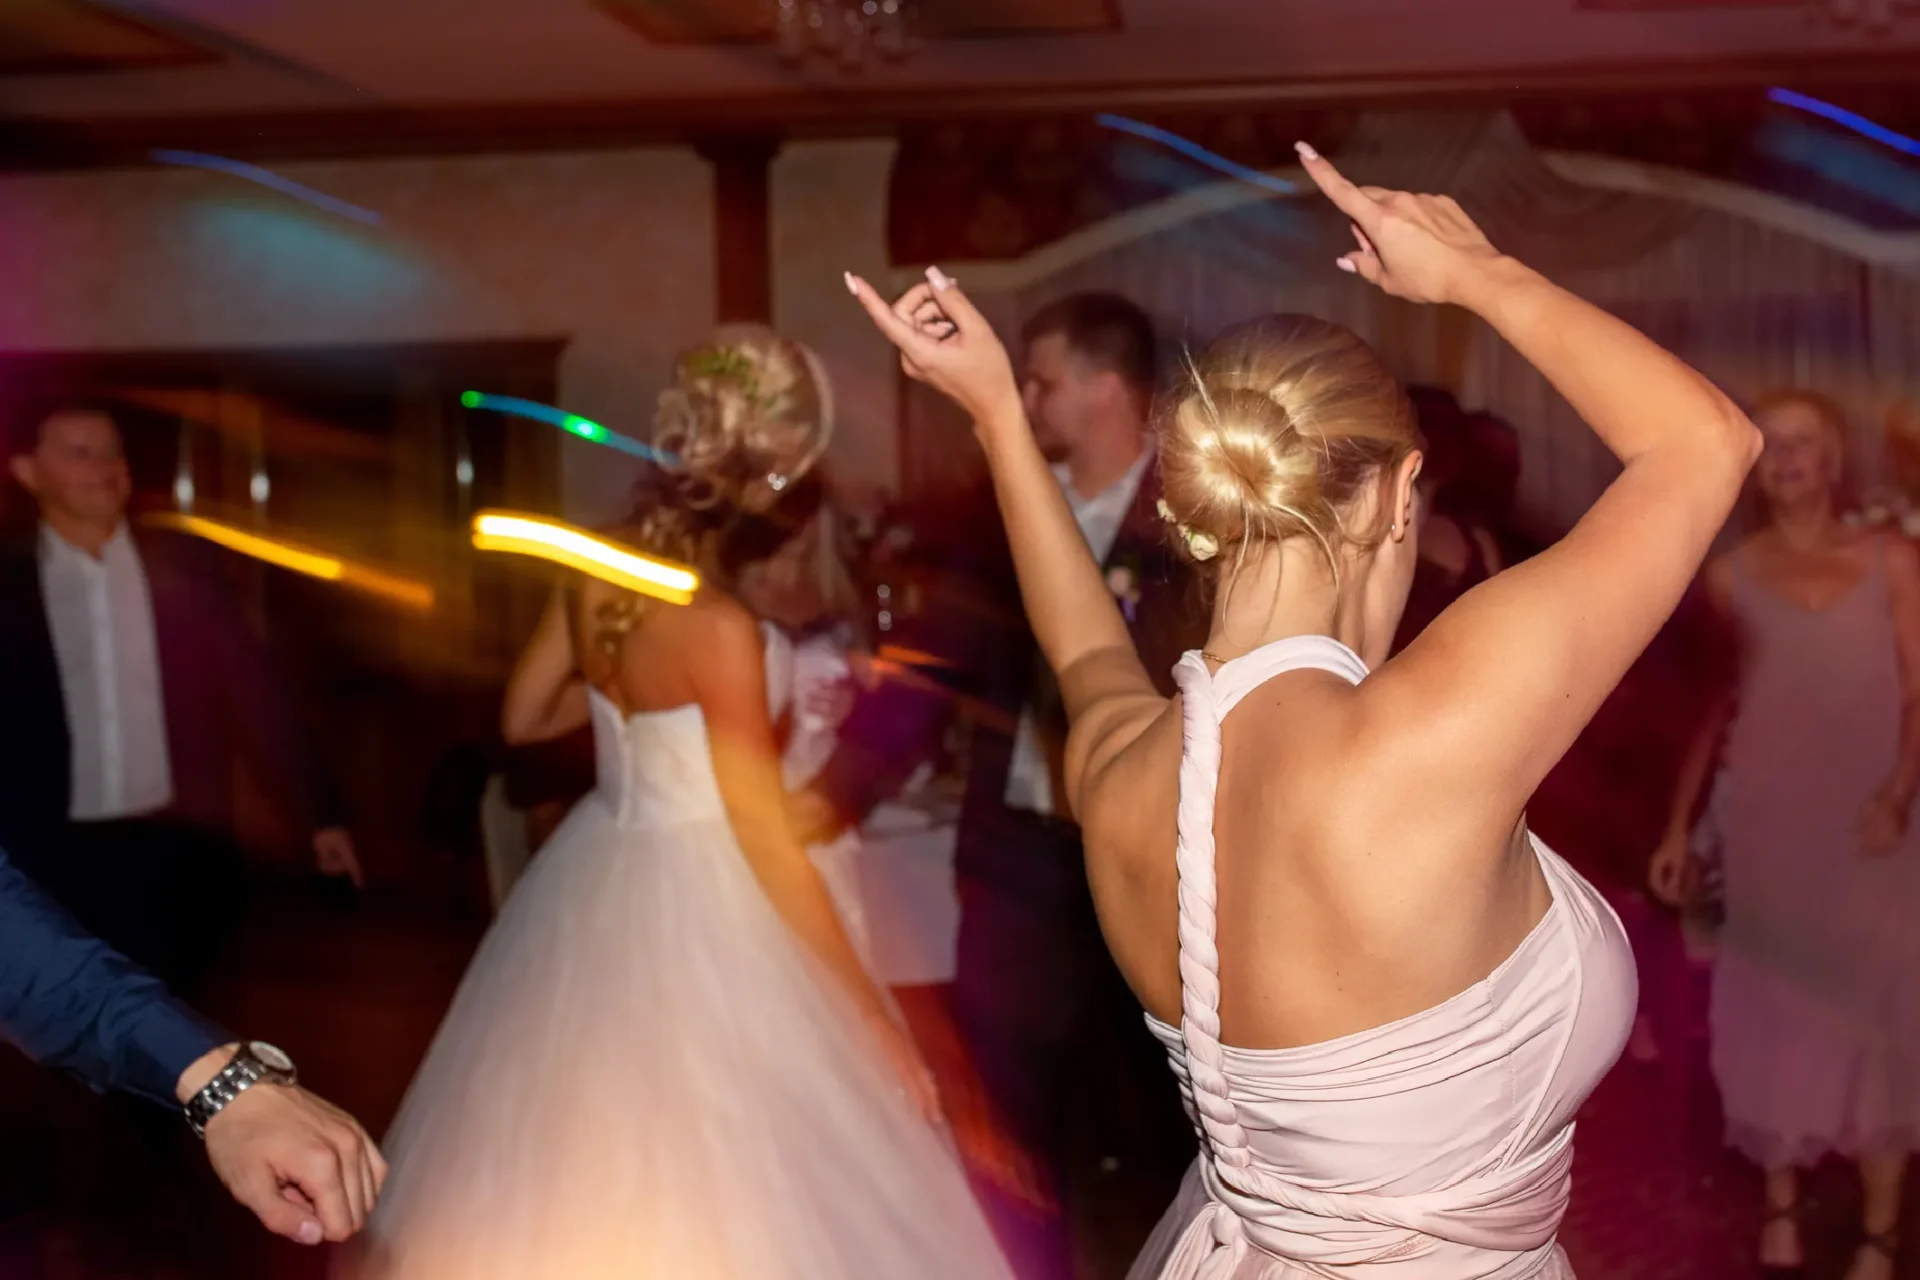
{"points": [[851, 33]]}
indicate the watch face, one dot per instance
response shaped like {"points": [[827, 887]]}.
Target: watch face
{"points": [[272, 1057]]}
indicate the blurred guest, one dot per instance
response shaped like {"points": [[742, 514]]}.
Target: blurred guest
{"points": [[1816, 1011], [67, 1000], [129, 688], [1034, 987], [786, 567], [1894, 503], [1457, 547]]}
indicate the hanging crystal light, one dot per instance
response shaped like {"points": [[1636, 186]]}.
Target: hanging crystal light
{"points": [[850, 33]]}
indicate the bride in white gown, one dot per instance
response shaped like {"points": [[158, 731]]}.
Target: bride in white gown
{"points": [[665, 1059]]}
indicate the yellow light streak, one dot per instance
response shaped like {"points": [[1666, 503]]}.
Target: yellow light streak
{"points": [[301, 560], [587, 553]]}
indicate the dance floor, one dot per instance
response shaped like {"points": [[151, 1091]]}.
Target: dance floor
{"points": [[354, 995]]}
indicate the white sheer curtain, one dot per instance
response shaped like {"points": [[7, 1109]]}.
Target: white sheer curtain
{"points": [[1752, 305]]}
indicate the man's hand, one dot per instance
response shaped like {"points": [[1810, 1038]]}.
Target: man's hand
{"points": [[305, 1168], [333, 853]]}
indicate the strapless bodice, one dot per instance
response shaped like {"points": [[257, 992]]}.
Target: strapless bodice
{"points": [[654, 768], [1435, 1147]]}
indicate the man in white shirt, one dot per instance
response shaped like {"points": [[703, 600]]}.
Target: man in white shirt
{"points": [[129, 686]]}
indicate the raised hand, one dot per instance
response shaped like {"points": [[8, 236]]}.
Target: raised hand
{"points": [[1422, 248], [946, 343]]}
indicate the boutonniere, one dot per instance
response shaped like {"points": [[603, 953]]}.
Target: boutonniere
{"points": [[1123, 580]]}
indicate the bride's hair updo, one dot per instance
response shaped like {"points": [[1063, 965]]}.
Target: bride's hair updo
{"points": [[1274, 433], [747, 416], [738, 432]]}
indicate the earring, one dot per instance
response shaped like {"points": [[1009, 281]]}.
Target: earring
{"points": [[776, 482]]}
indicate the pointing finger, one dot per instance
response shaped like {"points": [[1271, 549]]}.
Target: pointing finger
{"points": [[913, 345], [953, 300], [1346, 197]]}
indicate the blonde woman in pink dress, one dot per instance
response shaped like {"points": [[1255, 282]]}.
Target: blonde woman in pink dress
{"points": [[1384, 998]]}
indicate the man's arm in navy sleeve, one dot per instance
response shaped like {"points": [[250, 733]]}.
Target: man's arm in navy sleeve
{"points": [[69, 1001]]}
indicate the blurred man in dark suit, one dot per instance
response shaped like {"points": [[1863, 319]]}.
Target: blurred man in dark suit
{"points": [[1035, 988], [129, 687]]}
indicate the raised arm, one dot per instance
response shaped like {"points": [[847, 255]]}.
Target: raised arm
{"points": [[1504, 680], [546, 697], [1109, 698]]}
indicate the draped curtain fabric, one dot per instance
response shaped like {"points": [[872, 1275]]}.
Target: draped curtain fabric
{"points": [[1752, 306]]}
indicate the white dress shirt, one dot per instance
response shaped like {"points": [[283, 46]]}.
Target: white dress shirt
{"points": [[100, 613], [1029, 774]]}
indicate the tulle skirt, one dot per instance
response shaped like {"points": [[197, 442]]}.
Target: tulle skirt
{"points": [[645, 1075]]}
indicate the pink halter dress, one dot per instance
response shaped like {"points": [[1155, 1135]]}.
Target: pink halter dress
{"points": [[1436, 1147]]}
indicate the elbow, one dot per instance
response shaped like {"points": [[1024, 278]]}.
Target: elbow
{"points": [[1744, 442], [517, 729]]}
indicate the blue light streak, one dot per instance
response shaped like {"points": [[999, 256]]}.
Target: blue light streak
{"points": [[266, 178], [1846, 119], [571, 423], [1194, 151]]}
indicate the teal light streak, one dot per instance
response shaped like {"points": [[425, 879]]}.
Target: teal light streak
{"points": [[571, 423]]}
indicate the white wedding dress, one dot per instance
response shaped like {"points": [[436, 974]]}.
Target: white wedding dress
{"points": [[644, 1074]]}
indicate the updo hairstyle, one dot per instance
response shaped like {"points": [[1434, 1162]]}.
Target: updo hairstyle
{"points": [[747, 416], [1274, 433], [737, 433]]}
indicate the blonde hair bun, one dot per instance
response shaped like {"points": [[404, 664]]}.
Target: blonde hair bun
{"points": [[746, 418], [749, 413], [1275, 430]]}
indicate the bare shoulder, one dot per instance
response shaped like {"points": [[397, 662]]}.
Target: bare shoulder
{"points": [[718, 633]]}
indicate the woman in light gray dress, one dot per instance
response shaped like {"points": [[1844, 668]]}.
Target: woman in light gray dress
{"points": [[1816, 998]]}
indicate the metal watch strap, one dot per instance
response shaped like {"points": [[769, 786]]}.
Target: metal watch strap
{"points": [[244, 1070]]}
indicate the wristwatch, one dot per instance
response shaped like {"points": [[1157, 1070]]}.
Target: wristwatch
{"points": [[255, 1062]]}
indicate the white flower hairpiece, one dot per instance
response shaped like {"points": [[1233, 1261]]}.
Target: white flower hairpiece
{"points": [[1201, 546]]}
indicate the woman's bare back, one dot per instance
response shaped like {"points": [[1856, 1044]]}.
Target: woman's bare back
{"points": [[1334, 916], [642, 654]]}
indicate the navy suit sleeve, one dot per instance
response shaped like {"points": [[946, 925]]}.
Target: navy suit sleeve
{"points": [[69, 1001]]}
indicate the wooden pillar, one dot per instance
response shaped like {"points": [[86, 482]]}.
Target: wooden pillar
{"points": [[742, 225]]}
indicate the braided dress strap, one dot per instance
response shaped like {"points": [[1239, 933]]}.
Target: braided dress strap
{"points": [[1201, 713]]}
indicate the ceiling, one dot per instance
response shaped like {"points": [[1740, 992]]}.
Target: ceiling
{"points": [[312, 76]]}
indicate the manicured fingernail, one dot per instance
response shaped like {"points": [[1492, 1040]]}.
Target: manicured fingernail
{"points": [[852, 287], [939, 279], [310, 1232], [1346, 265], [1306, 152]]}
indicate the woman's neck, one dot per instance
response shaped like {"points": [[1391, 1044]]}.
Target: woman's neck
{"points": [[1287, 589], [1807, 527]]}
